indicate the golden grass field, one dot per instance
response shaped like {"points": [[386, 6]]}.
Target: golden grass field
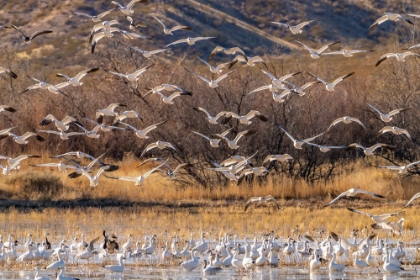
{"points": [[162, 208]]}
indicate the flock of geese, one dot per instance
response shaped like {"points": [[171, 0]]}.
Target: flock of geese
{"points": [[226, 252]]}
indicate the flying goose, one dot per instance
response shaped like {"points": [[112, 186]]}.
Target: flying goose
{"points": [[317, 53], [104, 25], [231, 51], [417, 195], [210, 118], [190, 41], [390, 16], [261, 200], [212, 83], [167, 87], [28, 39], [246, 119], [139, 180], [219, 68], [298, 90], [347, 53], [133, 77], [281, 158], [399, 56], [62, 167], [295, 29], [387, 117], [127, 10], [376, 218], [168, 31], [7, 108], [43, 85], [23, 138], [132, 24], [124, 115], [279, 82], [94, 39], [11, 160], [369, 150], [402, 169], [142, 133], [96, 18], [352, 192], [325, 148], [250, 61], [299, 143], [75, 81], [146, 54], [330, 86], [233, 144], [395, 130], [346, 120], [214, 142], [8, 72], [63, 135], [108, 111], [169, 99], [158, 144], [61, 125]]}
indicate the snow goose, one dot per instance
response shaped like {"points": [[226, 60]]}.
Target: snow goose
{"points": [[346, 120], [139, 180], [360, 263], [125, 115], [190, 41], [169, 99], [317, 53], [62, 125], [295, 29], [142, 133], [395, 130], [38, 276], [210, 118], [299, 143], [43, 85], [388, 266], [246, 119], [347, 53], [26, 256], [202, 246], [233, 144], [214, 142], [57, 264], [210, 269], [61, 276], [191, 264], [387, 117], [219, 68], [75, 81], [96, 18], [168, 31], [331, 86], [326, 148], [250, 61], [146, 54], [102, 33], [399, 253], [119, 268], [108, 111], [402, 169], [369, 151], [398, 56], [28, 39], [229, 51], [132, 77], [22, 139], [237, 262], [389, 16], [212, 83], [315, 263], [279, 82], [94, 180], [160, 145], [417, 195], [394, 227], [11, 74], [376, 218], [127, 10], [351, 193], [63, 135], [281, 158], [333, 266]]}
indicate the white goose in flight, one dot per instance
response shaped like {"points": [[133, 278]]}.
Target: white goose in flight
{"points": [[127, 10], [398, 56], [167, 87], [390, 16], [160, 145], [96, 37], [279, 82], [94, 180], [353, 192], [261, 200], [402, 169], [219, 68], [347, 53], [190, 41], [281, 158], [369, 151], [326, 148], [210, 118], [330, 86], [295, 29], [43, 85], [22, 139], [299, 143], [214, 142], [169, 99], [62, 167], [7, 108], [377, 218], [395, 130], [28, 39], [11, 160], [133, 77], [142, 133], [125, 115], [229, 51], [233, 144], [346, 120], [317, 53], [75, 81], [246, 119], [168, 31], [417, 195], [8, 72], [387, 117], [96, 18], [146, 54], [212, 83], [62, 125], [300, 90], [139, 180], [108, 111], [63, 135]]}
